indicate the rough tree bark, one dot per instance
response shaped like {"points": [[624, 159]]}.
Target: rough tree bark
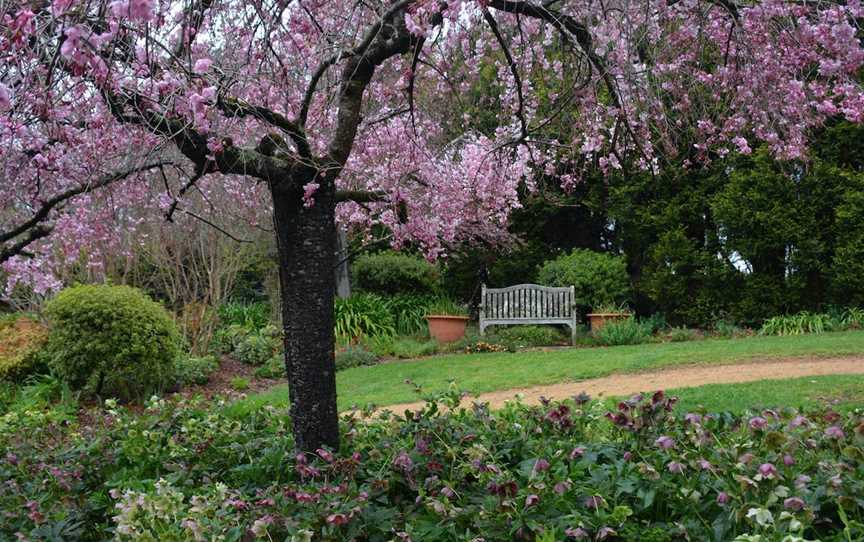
{"points": [[306, 239]]}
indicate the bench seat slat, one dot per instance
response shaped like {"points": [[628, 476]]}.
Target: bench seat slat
{"points": [[528, 304]]}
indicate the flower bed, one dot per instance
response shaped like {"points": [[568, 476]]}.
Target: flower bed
{"points": [[564, 471]]}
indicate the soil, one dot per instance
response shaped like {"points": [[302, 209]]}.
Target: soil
{"points": [[681, 377], [220, 381]]}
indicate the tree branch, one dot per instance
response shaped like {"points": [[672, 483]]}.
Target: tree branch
{"points": [[42, 214]]}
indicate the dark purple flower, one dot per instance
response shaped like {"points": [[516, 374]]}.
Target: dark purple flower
{"points": [[403, 462], [324, 454], [593, 502], [628, 456], [798, 421], [693, 418], [665, 442], [582, 398], [11, 458], [578, 451], [531, 500], [758, 422], [793, 503], [767, 470], [541, 465], [337, 519], [722, 498], [835, 432], [578, 533]]}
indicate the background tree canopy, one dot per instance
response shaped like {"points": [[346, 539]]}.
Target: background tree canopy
{"points": [[741, 240]]}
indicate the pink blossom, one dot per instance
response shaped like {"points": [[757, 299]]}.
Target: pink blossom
{"points": [[59, 7], [5, 97], [788, 460], [531, 500], [309, 190], [722, 498], [767, 470], [202, 65]]}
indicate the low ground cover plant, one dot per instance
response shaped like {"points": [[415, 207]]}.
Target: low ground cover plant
{"points": [[561, 471], [191, 370]]}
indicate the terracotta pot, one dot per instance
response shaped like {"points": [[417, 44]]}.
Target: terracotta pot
{"points": [[600, 319], [446, 329]]}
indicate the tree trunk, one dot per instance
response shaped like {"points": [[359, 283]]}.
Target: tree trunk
{"points": [[306, 240]]}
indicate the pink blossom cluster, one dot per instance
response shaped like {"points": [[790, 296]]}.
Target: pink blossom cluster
{"points": [[652, 80]]}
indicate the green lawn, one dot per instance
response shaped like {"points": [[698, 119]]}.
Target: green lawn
{"points": [[385, 384], [841, 392]]}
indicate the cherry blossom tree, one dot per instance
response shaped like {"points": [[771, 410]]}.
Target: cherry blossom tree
{"points": [[335, 110]]}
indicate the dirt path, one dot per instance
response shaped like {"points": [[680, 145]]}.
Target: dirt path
{"points": [[682, 377]]}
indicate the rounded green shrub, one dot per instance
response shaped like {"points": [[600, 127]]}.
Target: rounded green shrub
{"points": [[111, 341], [599, 278], [393, 273]]}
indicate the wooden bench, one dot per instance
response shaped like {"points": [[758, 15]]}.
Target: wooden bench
{"points": [[528, 304]]}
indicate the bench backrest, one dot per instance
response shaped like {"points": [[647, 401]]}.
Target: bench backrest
{"points": [[528, 303]]}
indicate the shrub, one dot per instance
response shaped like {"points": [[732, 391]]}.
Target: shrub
{"points": [[682, 334], [195, 370], [598, 278], [239, 383], [389, 273], [727, 330], [354, 356], [516, 337], [111, 341], [363, 315], [272, 368], [257, 347], [629, 331], [21, 341]]}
